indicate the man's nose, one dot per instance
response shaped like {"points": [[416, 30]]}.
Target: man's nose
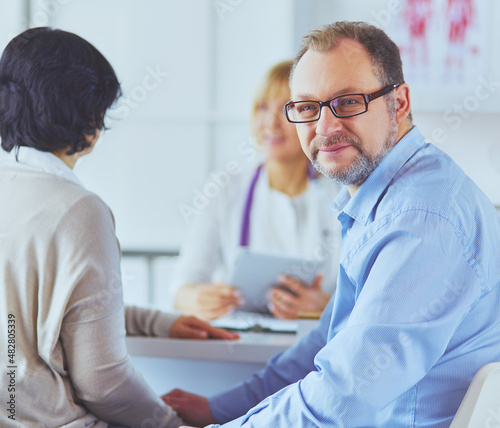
{"points": [[328, 123]]}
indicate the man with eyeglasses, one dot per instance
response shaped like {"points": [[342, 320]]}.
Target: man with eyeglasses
{"points": [[416, 312]]}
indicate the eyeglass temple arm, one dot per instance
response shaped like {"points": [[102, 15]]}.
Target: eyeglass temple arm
{"points": [[383, 91]]}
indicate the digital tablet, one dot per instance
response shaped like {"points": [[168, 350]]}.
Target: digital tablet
{"points": [[254, 274]]}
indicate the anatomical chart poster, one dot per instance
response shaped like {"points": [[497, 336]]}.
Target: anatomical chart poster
{"points": [[445, 46]]}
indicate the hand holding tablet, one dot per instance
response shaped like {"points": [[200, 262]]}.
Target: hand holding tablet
{"points": [[255, 274]]}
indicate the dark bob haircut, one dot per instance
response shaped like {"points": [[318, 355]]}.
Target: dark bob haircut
{"points": [[55, 89]]}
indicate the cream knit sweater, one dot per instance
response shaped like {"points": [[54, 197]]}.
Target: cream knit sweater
{"points": [[60, 289]]}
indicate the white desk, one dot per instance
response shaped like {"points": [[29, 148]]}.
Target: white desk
{"points": [[203, 367]]}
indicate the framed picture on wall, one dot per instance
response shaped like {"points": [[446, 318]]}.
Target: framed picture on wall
{"points": [[447, 48]]}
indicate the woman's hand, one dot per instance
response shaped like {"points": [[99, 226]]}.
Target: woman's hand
{"points": [[192, 408], [292, 296], [190, 327], [209, 301]]}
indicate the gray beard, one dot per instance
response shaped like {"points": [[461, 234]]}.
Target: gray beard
{"points": [[362, 166]]}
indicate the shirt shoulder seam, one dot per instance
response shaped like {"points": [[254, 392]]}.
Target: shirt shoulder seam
{"points": [[465, 251]]}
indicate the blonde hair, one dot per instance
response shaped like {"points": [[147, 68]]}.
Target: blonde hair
{"points": [[273, 84]]}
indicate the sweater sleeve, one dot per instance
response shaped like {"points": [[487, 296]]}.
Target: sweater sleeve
{"points": [[93, 327], [147, 322]]}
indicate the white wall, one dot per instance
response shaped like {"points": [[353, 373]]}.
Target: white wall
{"points": [[157, 147], [189, 69]]}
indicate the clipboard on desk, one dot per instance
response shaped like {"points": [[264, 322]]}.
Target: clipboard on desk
{"points": [[251, 322], [254, 274]]}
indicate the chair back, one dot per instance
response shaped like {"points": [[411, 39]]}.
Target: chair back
{"points": [[481, 405]]}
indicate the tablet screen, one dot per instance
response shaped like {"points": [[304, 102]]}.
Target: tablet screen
{"points": [[254, 274]]}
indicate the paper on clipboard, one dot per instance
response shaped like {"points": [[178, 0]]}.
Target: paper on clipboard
{"points": [[256, 323]]}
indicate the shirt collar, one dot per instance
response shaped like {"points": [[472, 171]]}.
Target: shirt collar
{"points": [[366, 197], [42, 161]]}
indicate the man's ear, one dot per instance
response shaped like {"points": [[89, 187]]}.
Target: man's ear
{"points": [[402, 101]]}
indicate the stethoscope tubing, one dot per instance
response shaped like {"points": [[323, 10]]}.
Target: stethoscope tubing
{"points": [[245, 223]]}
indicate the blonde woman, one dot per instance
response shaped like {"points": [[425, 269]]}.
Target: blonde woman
{"points": [[281, 207]]}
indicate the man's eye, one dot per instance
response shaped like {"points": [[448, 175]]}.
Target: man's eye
{"points": [[349, 102], [306, 108]]}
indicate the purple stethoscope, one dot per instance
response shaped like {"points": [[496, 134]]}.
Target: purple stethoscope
{"points": [[245, 225]]}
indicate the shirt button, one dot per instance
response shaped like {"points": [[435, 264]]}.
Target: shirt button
{"points": [[348, 231]]}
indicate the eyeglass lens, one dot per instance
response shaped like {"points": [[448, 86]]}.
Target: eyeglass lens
{"points": [[347, 105]]}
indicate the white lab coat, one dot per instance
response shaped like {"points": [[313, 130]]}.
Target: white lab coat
{"points": [[303, 226]]}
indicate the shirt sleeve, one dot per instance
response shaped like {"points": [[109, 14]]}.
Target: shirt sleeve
{"points": [[93, 327], [283, 369], [418, 286]]}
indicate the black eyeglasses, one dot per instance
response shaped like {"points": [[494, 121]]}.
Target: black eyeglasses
{"points": [[344, 106]]}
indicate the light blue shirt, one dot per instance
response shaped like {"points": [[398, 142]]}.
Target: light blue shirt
{"points": [[415, 315]]}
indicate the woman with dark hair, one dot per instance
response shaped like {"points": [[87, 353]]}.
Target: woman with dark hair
{"points": [[61, 305]]}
